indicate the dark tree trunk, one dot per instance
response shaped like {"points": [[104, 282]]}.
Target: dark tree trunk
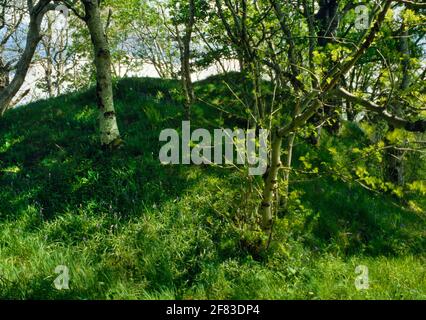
{"points": [[327, 21], [394, 158], [184, 43]]}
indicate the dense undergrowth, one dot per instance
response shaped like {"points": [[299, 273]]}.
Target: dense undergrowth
{"points": [[130, 228]]}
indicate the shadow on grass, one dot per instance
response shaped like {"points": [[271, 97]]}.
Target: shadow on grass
{"points": [[51, 157]]}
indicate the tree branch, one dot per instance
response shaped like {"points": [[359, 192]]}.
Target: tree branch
{"points": [[412, 4], [397, 122]]}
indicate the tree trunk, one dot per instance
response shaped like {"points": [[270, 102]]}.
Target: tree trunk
{"points": [[48, 75], [271, 184], [327, 21], [189, 89], [33, 38], [394, 164], [4, 75], [287, 170], [109, 133], [394, 158], [47, 61], [186, 77]]}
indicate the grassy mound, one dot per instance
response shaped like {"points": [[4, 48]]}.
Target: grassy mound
{"points": [[128, 227]]}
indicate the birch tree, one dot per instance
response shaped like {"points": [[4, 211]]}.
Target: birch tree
{"points": [[36, 11], [109, 133]]}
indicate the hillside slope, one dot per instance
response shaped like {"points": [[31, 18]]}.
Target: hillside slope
{"points": [[128, 227]]}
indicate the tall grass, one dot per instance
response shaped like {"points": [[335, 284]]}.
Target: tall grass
{"points": [[128, 227]]}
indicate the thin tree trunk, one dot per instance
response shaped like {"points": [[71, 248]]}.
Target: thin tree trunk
{"points": [[48, 75], [287, 170], [271, 184], [186, 77], [109, 133], [189, 89]]}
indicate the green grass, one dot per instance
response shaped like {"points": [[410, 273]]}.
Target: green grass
{"points": [[130, 228]]}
